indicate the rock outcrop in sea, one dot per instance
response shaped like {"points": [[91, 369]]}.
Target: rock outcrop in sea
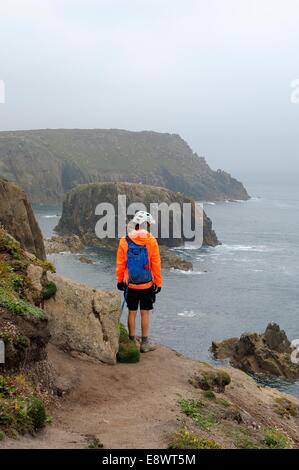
{"points": [[79, 210], [48, 163], [267, 353], [79, 216]]}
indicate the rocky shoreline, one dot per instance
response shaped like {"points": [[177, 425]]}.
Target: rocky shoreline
{"points": [[73, 244]]}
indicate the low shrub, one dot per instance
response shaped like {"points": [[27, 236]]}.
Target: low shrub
{"points": [[49, 291], [184, 439]]}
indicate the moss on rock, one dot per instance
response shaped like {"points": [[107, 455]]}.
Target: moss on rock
{"points": [[128, 351], [211, 379]]}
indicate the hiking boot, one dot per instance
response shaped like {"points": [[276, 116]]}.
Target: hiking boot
{"points": [[146, 346]]}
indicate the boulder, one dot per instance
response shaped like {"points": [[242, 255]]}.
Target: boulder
{"points": [[268, 353], [210, 378], [83, 319]]}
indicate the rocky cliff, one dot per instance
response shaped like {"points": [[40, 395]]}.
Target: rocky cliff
{"points": [[16, 215], [79, 218], [48, 163]]}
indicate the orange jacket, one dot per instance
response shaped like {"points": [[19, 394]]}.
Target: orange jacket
{"points": [[140, 237]]}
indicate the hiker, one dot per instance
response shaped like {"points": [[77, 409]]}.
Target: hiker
{"points": [[138, 273]]}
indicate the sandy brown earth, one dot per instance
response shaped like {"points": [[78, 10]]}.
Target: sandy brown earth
{"points": [[135, 405]]}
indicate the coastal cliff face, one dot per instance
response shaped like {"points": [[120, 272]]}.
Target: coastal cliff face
{"points": [[48, 163], [17, 217], [79, 218]]}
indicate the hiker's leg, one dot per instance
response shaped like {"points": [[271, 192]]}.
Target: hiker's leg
{"points": [[144, 323], [132, 322], [146, 345]]}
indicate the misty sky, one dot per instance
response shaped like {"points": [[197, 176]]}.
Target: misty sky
{"points": [[217, 72]]}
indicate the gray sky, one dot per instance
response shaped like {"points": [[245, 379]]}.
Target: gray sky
{"points": [[217, 72]]}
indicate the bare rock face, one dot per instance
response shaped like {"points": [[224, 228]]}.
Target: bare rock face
{"points": [[17, 217], [268, 353], [83, 319]]}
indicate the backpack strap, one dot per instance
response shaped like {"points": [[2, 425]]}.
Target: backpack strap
{"points": [[130, 240]]}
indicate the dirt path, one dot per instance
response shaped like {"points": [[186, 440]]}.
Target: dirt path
{"points": [[135, 405], [124, 406]]}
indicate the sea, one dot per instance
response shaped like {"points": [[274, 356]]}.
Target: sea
{"points": [[249, 280]]}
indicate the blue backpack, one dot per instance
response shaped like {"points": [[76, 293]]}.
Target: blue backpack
{"points": [[138, 263]]}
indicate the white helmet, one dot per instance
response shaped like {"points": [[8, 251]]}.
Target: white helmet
{"points": [[141, 217]]}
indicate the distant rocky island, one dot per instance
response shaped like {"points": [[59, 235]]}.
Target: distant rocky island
{"points": [[48, 163]]}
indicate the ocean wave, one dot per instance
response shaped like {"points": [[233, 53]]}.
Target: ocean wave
{"points": [[53, 216], [181, 271], [187, 313], [254, 248], [186, 247]]}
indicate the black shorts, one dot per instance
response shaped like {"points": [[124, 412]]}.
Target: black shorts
{"points": [[143, 298]]}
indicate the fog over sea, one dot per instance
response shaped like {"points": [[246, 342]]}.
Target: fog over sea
{"points": [[241, 285]]}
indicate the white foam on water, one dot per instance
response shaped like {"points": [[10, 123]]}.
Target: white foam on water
{"points": [[50, 216], [187, 313], [253, 248], [181, 271]]}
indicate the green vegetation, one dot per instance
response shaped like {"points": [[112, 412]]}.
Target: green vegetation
{"points": [[45, 264], [244, 437], [22, 342], [49, 291], [19, 306], [21, 411], [198, 413], [128, 351], [209, 395], [274, 439], [11, 246], [9, 279], [184, 439]]}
